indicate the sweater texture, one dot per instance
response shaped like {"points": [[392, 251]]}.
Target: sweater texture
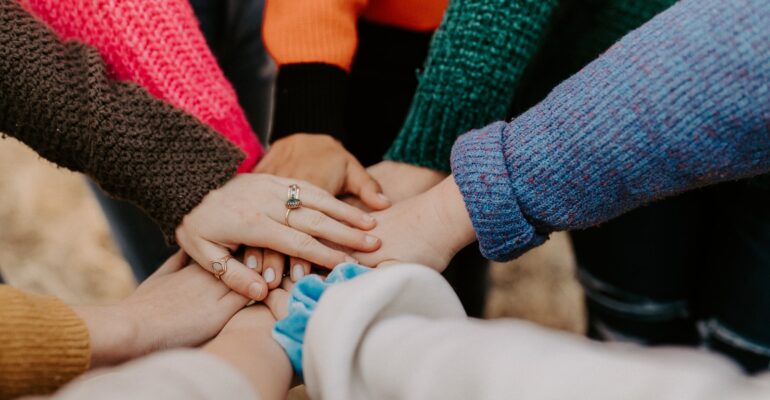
{"points": [[485, 51], [680, 103], [158, 45], [43, 344], [315, 42], [57, 98]]}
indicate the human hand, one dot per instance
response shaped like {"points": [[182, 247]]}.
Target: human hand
{"points": [[427, 229], [246, 343], [251, 209], [324, 162], [400, 181], [176, 306]]}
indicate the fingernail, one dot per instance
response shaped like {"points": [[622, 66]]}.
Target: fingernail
{"points": [[368, 218], [255, 290], [371, 239], [269, 275], [383, 197], [351, 260], [297, 272], [251, 262]]}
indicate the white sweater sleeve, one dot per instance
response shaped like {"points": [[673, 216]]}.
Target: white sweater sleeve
{"points": [[169, 375], [400, 333]]}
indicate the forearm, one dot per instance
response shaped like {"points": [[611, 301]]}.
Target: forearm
{"points": [[169, 375], [111, 334], [358, 350], [675, 105], [313, 42], [56, 98], [158, 45], [262, 362], [476, 59]]}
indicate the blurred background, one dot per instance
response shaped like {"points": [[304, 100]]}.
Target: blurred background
{"points": [[54, 240]]}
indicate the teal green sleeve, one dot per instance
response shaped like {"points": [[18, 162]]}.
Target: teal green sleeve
{"points": [[475, 61]]}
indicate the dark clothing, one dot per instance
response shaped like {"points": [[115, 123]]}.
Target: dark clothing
{"points": [[690, 270]]}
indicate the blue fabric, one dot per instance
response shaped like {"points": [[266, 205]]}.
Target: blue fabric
{"points": [[289, 332], [680, 103]]}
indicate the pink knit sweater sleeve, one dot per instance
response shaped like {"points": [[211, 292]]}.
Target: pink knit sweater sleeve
{"points": [[158, 45]]}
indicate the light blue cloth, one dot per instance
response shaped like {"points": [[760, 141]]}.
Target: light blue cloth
{"points": [[289, 332]]}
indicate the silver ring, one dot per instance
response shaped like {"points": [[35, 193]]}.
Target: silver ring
{"points": [[293, 202]]}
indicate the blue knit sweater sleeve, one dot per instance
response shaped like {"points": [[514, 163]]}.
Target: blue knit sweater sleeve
{"points": [[682, 102]]}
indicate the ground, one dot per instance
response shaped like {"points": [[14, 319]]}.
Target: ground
{"points": [[54, 240]]}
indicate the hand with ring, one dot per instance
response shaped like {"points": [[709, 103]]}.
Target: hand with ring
{"points": [[253, 210]]}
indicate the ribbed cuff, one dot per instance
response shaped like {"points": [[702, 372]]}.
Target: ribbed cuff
{"points": [[44, 344], [479, 168], [310, 98]]}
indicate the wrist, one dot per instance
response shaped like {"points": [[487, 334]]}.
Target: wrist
{"points": [[450, 207], [258, 357], [112, 334]]}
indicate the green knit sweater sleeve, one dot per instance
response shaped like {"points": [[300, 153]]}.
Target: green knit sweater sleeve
{"points": [[475, 61]]}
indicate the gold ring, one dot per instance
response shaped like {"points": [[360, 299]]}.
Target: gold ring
{"points": [[219, 267], [286, 216], [293, 201]]}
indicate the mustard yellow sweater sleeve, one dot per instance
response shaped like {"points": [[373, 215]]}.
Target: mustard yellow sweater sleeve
{"points": [[43, 344]]}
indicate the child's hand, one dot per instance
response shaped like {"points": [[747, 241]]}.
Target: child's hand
{"points": [[426, 229]]}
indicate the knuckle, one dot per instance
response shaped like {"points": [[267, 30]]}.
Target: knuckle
{"points": [[252, 219], [236, 281], [316, 221], [304, 242]]}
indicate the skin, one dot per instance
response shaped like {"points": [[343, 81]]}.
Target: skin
{"points": [[177, 306], [246, 343], [323, 161], [401, 181], [250, 209], [427, 229], [398, 181]]}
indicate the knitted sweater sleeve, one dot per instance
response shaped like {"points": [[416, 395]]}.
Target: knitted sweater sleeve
{"points": [[680, 103], [313, 42], [43, 344], [475, 61], [158, 45], [56, 98]]}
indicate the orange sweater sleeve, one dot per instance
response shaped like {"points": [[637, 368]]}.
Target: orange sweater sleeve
{"points": [[314, 42], [312, 31], [43, 344]]}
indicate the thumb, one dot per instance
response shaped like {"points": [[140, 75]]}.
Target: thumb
{"points": [[362, 185]]}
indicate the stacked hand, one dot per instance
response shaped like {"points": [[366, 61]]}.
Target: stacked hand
{"points": [[176, 306], [324, 162], [427, 229], [251, 210]]}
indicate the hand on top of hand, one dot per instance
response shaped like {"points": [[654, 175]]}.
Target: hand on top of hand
{"points": [[400, 181], [176, 306], [323, 161], [250, 210], [428, 229]]}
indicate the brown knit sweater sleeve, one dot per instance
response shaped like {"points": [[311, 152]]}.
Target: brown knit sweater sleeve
{"points": [[56, 97], [43, 344]]}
